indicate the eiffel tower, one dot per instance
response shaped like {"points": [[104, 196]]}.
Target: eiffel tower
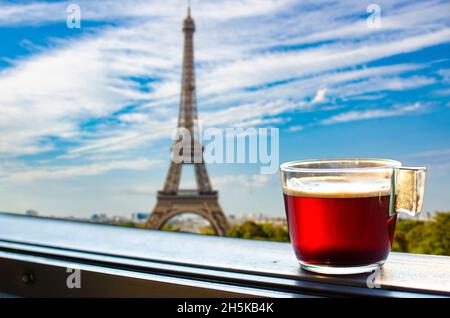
{"points": [[203, 200]]}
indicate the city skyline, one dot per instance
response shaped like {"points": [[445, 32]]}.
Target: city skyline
{"points": [[87, 114]]}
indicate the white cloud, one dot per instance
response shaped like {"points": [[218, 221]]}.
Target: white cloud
{"points": [[36, 13], [98, 168], [320, 96], [372, 114], [296, 128], [145, 191], [134, 117], [445, 74], [443, 92], [247, 181]]}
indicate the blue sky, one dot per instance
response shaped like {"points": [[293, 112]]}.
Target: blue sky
{"points": [[86, 114]]}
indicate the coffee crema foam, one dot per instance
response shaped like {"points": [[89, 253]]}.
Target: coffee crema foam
{"points": [[336, 187]]}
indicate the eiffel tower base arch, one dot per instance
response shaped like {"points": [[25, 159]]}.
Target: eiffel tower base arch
{"points": [[185, 201]]}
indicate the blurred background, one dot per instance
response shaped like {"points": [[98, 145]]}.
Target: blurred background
{"points": [[88, 105]]}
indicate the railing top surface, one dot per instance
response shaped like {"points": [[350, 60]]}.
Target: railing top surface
{"points": [[407, 272]]}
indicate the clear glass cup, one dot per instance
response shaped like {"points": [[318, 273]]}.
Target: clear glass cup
{"points": [[342, 213]]}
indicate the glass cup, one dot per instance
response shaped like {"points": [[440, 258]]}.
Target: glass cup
{"points": [[342, 213]]}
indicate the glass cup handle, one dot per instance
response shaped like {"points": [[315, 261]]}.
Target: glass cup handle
{"points": [[409, 189]]}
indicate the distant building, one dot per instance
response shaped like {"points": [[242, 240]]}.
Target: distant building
{"points": [[32, 213], [120, 219], [99, 218], [139, 217]]}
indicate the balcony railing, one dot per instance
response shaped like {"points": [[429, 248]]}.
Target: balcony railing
{"points": [[35, 254]]}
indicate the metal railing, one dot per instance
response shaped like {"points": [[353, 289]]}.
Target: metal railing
{"points": [[116, 261]]}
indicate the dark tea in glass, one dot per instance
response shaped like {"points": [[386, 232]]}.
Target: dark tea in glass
{"points": [[341, 213]]}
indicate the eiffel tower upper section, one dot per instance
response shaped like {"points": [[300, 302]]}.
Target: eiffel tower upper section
{"points": [[188, 100], [188, 120]]}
